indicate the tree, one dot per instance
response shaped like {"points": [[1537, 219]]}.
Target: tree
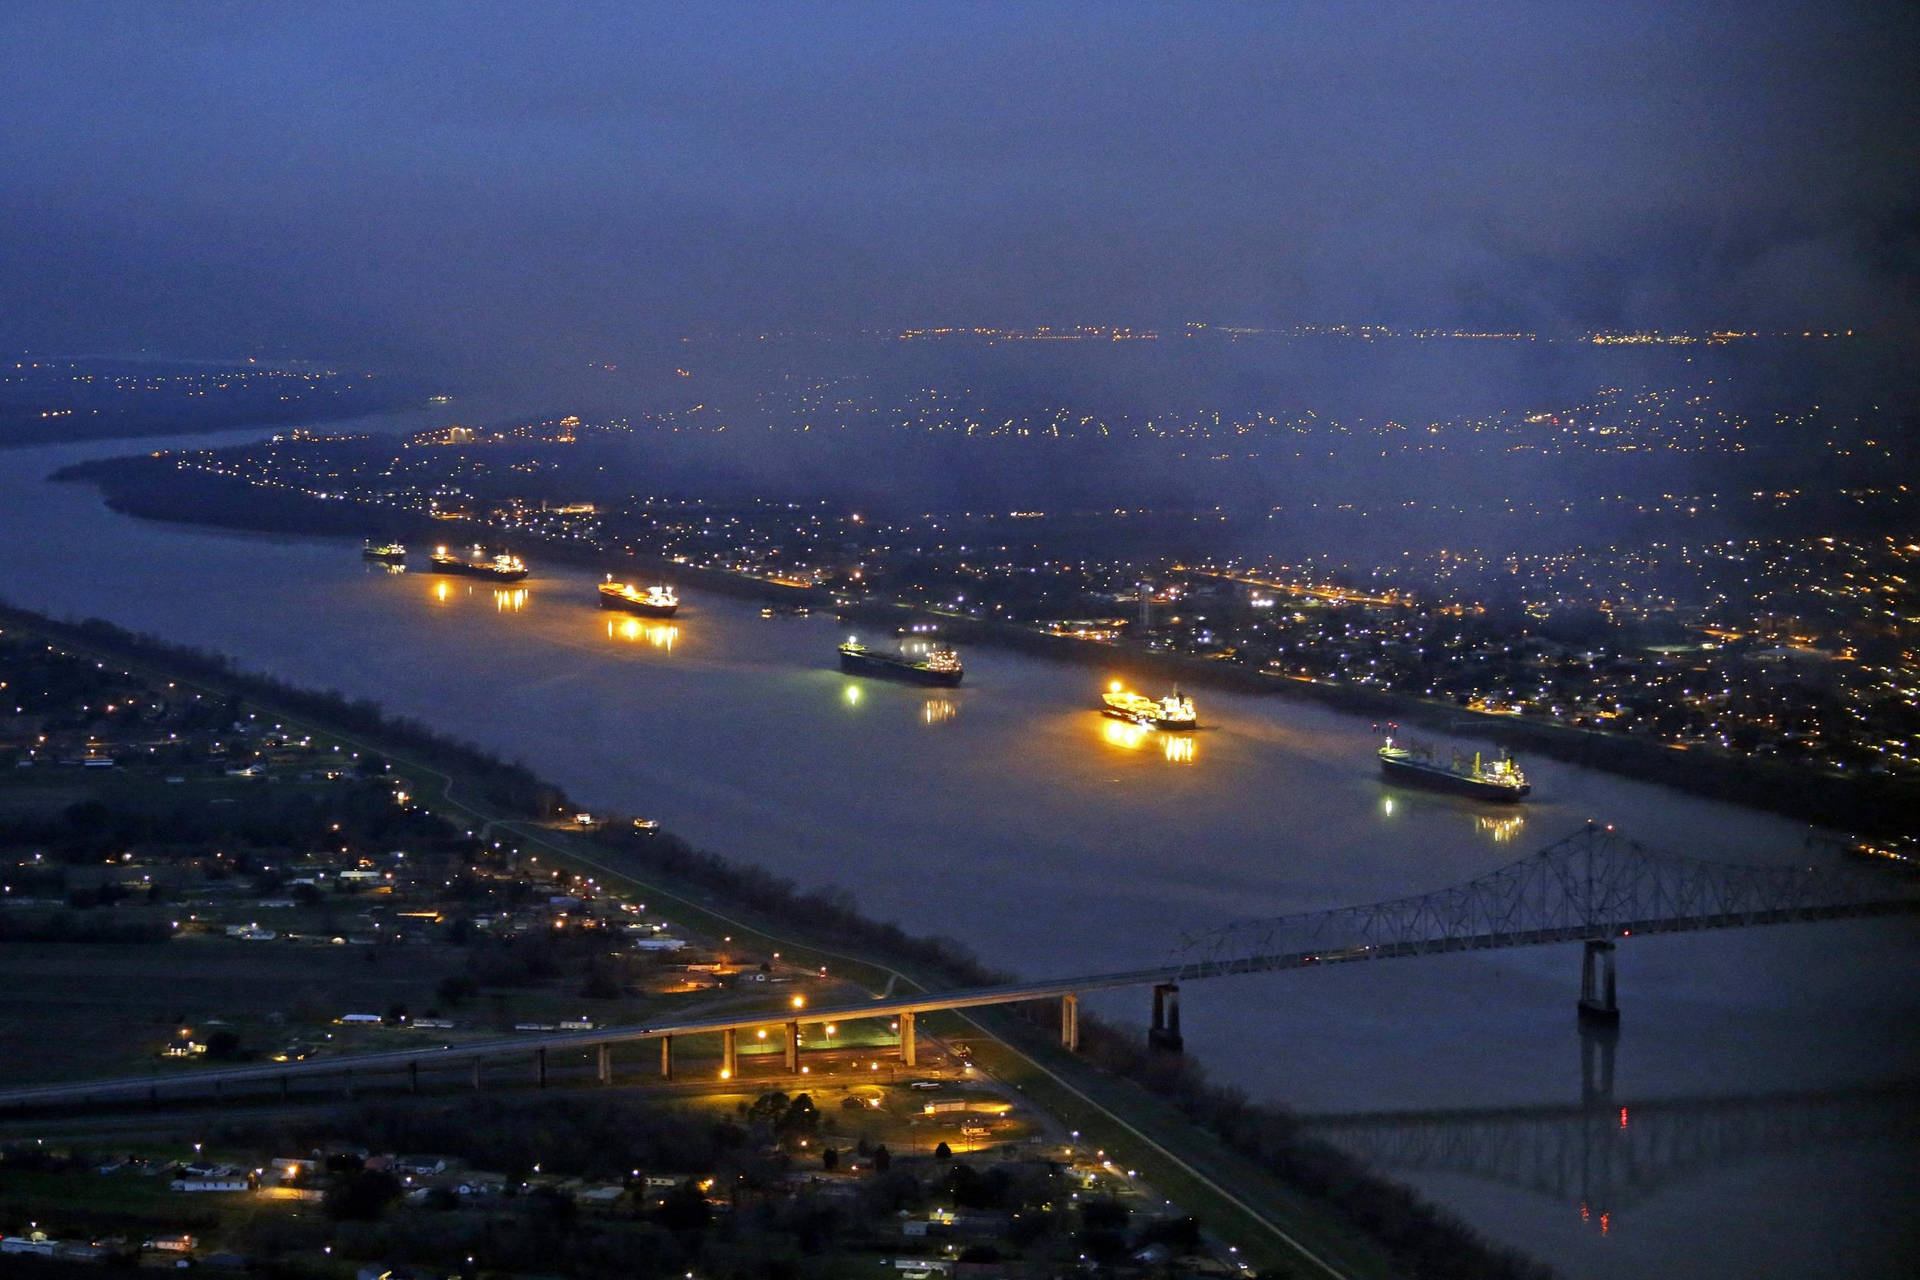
{"points": [[223, 1044], [830, 1159], [361, 1196], [684, 1208], [943, 1152], [882, 1158], [455, 988]]}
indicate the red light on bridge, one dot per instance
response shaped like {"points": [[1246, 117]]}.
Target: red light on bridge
{"points": [[1623, 1117]]}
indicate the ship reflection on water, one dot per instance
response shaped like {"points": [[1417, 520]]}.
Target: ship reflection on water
{"points": [[1503, 829], [657, 635], [1175, 748], [442, 591], [938, 711], [510, 600]]}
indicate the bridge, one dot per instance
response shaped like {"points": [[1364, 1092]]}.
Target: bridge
{"points": [[1593, 887]]}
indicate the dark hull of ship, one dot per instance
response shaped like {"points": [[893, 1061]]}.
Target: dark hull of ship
{"points": [[1444, 779], [892, 668], [469, 569], [610, 601], [1151, 722]]}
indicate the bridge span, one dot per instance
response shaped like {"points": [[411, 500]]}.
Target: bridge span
{"points": [[1595, 887]]}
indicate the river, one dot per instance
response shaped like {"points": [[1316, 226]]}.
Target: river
{"points": [[1048, 839]]}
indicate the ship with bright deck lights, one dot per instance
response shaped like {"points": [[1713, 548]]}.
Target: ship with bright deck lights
{"points": [[1483, 779], [939, 665], [501, 568], [654, 602], [386, 551], [1174, 712]]}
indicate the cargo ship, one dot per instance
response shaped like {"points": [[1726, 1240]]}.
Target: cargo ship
{"points": [[1483, 779], [654, 602], [1173, 712], [501, 568], [388, 551], [939, 666]]}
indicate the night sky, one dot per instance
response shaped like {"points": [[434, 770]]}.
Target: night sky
{"points": [[468, 186]]}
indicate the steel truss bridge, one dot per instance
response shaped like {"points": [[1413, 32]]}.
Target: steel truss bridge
{"points": [[1593, 887]]}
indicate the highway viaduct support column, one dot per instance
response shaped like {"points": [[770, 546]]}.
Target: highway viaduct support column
{"points": [[666, 1057], [729, 1054], [1070, 1022], [413, 1077], [1164, 1031], [540, 1067], [909, 1052], [603, 1065], [476, 1075], [793, 1048], [1597, 1003]]}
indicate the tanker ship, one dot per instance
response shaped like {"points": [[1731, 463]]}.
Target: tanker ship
{"points": [[654, 602], [939, 665], [501, 568], [1173, 712], [1483, 779], [387, 551]]}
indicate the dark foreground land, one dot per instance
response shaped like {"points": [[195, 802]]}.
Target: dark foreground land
{"points": [[259, 861]]}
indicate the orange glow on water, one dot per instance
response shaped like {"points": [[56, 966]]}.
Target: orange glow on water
{"points": [[657, 635], [1175, 748]]}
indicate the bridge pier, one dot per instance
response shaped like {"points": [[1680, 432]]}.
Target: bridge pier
{"points": [[729, 1054], [603, 1066], [346, 1083], [1597, 991], [476, 1075], [540, 1067], [666, 1057], [793, 1049], [1070, 1023], [1164, 1033], [413, 1077], [286, 1087], [909, 1052]]}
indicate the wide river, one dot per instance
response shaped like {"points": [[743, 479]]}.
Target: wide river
{"points": [[1746, 1133]]}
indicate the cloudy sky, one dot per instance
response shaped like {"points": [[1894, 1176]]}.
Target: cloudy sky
{"points": [[483, 185]]}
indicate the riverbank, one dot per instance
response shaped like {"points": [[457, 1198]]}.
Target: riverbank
{"points": [[1247, 1169]]}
